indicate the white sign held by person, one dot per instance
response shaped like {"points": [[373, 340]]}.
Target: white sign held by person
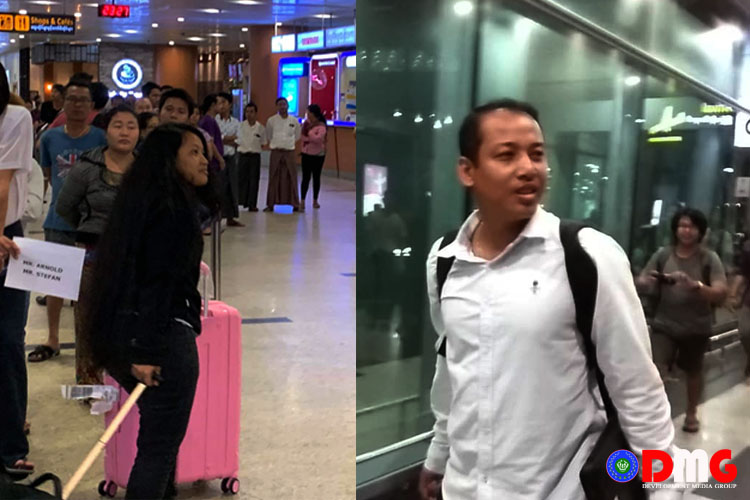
{"points": [[46, 268]]}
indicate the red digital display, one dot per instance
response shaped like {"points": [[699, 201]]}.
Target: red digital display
{"points": [[112, 10]]}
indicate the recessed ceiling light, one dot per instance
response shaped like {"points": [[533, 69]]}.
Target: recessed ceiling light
{"points": [[463, 7], [21, 36], [45, 2], [77, 14], [91, 5], [114, 35], [12, 40], [154, 25], [217, 35], [242, 45], [245, 29], [632, 81], [171, 42], [247, 2], [98, 40], [195, 39], [211, 11], [180, 19], [23, 12], [131, 32], [323, 16]]}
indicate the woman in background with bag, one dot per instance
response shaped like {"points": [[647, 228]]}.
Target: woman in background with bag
{"points": [[145, 298]]}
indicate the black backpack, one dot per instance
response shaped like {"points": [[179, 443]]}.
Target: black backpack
{"points": [[16, 491], [583, 280]]}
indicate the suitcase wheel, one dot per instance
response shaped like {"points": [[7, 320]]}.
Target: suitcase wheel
{"points": [[107, 489], [230, 485]]}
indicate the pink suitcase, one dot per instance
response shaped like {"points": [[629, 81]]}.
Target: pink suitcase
{"points": [[210, 449]]}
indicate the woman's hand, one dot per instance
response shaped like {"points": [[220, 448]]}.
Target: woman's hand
{"points": [[148, 374]]}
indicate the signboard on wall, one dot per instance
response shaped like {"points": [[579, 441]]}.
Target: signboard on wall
{"points": [[324, 83], [345, 36], [311, 40], [37, 23], [127, 74], [283, 43]]}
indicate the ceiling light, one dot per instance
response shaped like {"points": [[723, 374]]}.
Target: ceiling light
{"points": [[154, 25], [242, 45], [729, 170], [418, 119], [727, 32], [632, 81], [12, 40], [448, 120], [397, 114], [217, 35], [195, 39], [45, 2], [463, 8], [91, 5], [23, 12], [323, 16], [131, 32], [245, 29], [171, 42], [21, 36], [98, 40], [180, 19], [210, 11], [640, 120], [247, 2], [114, 35], [77, 15]]}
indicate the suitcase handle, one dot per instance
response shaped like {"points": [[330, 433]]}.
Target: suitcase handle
{"points": [[206, 273]]}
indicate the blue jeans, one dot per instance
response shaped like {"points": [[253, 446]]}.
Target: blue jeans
{"points": [[14, 308]]}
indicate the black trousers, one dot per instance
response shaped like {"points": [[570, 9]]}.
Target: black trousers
{"points": [[14, 307], [165, 413], [228, 178], [311, 166], [248, 179]]}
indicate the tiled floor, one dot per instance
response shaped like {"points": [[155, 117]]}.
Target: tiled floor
{"points": [[298, 384]]}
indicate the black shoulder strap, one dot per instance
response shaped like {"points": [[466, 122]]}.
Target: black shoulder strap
{"points": [[584, 282], [444, 265]]}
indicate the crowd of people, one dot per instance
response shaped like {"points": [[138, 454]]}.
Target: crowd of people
{"points": [[135, 183]]}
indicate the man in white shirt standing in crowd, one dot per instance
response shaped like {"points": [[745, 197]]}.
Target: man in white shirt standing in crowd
{"points": [[516, 413], [283, 132], [230, 127], [250, 141], [16, 144]]}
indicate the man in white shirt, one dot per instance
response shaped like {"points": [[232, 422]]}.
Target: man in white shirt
{"points": [[250, 141], [16, 144], [230, 127], [283, 132], [517, 411]]}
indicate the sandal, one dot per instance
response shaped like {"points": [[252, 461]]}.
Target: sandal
{"points": [[19, 470], [42, 353], [692, 424]]}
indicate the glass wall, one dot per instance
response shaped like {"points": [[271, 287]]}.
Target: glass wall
{"points": [[626, 146]]}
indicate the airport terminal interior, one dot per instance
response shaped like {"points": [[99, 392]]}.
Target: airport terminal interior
{"points": [[290, 274]]}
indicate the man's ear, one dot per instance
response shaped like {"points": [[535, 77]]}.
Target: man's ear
{"points": [[465, 170]]}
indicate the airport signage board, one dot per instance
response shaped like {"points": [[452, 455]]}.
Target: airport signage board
{"points": [[311, 40], [112, 10], [37, 23], [283, 43], [345, 36], [127, 74]]}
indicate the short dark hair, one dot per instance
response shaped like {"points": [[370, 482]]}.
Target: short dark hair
{"points": [[317, 112], [147, 87], [144, 118], [469, 137], [178, 94], [208, 101], [82, 75], [227, 96], [278, 100], [164, 88], [99, 94], [59, 87], [251, 104], [4, 90], [77, 82], [696, 217], [122, 108]]}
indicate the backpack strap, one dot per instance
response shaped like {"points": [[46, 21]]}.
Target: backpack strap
{"points": [[444, 265], [583, 278]]}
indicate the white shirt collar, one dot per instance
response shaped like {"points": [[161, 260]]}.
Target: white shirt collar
{"points": [[542, 225]]}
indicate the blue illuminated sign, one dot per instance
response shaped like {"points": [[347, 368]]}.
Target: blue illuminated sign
{"points": [[341, 37], [127, 74], [295, 69], [283, 43], [311, 40], [290, 90]]}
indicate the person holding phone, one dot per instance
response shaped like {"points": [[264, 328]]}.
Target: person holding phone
{"points": [[690, 281]]}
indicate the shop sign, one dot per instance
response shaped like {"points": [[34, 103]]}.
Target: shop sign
{"points": [[669, 120], [283, 43], [127, 74], [345, 36], [311, 40], [37, 23]]}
